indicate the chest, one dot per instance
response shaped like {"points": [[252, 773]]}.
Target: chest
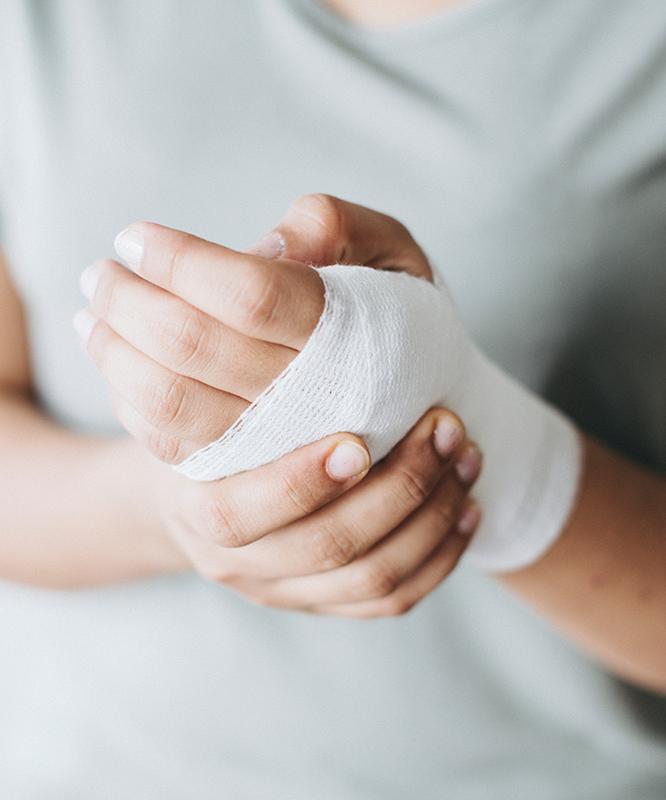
{"points": [[527, 227]]}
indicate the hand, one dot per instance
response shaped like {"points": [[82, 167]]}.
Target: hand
{"points": [[279, 536], [159, 353], [319, 229], [189, 344]]}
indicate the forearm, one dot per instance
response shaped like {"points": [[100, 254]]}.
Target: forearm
{"points": [[74, 511], [602, 583]]}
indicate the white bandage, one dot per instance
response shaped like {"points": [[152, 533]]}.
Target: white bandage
{"points": [[387, 348]]}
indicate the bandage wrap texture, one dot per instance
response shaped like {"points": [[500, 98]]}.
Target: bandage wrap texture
{"points": [[387, 348]]}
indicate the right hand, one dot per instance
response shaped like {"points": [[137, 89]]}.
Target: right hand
{"points": [[299, 533]]}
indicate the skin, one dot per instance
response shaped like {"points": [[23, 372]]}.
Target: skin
{"points": [[215, 328], [389, 12], [290, 534], [601, 583]]}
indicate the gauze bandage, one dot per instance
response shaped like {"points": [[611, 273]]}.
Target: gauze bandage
{"points": [[387, 348]]}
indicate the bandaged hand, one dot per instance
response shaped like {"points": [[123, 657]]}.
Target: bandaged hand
{"points": [[385, 348], [532, 454], [418, 354], [313, 530]]}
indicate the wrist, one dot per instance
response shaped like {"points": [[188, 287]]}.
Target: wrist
{"points": [[532, 458], [148, 488]]}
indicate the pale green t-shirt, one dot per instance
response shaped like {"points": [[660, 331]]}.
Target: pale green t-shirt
{"points": [[523, 142]]}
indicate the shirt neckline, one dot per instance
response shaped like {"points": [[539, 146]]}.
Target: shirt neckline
{"points": [[444, 22]]}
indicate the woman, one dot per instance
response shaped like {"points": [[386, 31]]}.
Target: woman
{"points": [[522, 143]]}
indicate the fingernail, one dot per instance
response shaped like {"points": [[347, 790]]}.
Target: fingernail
{"points": [[448, 435], [469, 519], [89, 280], [272, 245], [84, 321], [347, 461], [129, 246], [468, 465]]}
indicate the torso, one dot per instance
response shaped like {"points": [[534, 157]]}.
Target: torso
{"points": [[523, 143]]}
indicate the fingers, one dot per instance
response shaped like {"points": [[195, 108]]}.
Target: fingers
{"points": [[405, 564], [320, 229], [179, 336], [176, 405], [241, 509], [165, 446], [348, 527], [245, 292], [386, 566], [436, 569]]}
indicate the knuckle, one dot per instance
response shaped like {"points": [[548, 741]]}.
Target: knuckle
{"points": [[166, 403], [257, 302], [458, 544], [261, 599], [414, 485], [100, 344], [165, 446], [219, 573], [401, 230], [104, 300], [223, 523], [299, 491], [325, 211], [333, 546], [377, 580], [172, 266], [188, 346], [444, 513], [397, 606]]}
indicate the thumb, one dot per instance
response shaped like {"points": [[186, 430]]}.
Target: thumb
{"points": [[319, 229]]}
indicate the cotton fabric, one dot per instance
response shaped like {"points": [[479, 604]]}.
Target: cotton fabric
{"points": [[523, 144], [387, 347]]}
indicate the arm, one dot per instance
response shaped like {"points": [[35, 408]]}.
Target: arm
{"points": [[68, 516], [603, 583]]}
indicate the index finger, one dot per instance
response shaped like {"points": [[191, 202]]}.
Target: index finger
{"points": [[247, 293]]}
